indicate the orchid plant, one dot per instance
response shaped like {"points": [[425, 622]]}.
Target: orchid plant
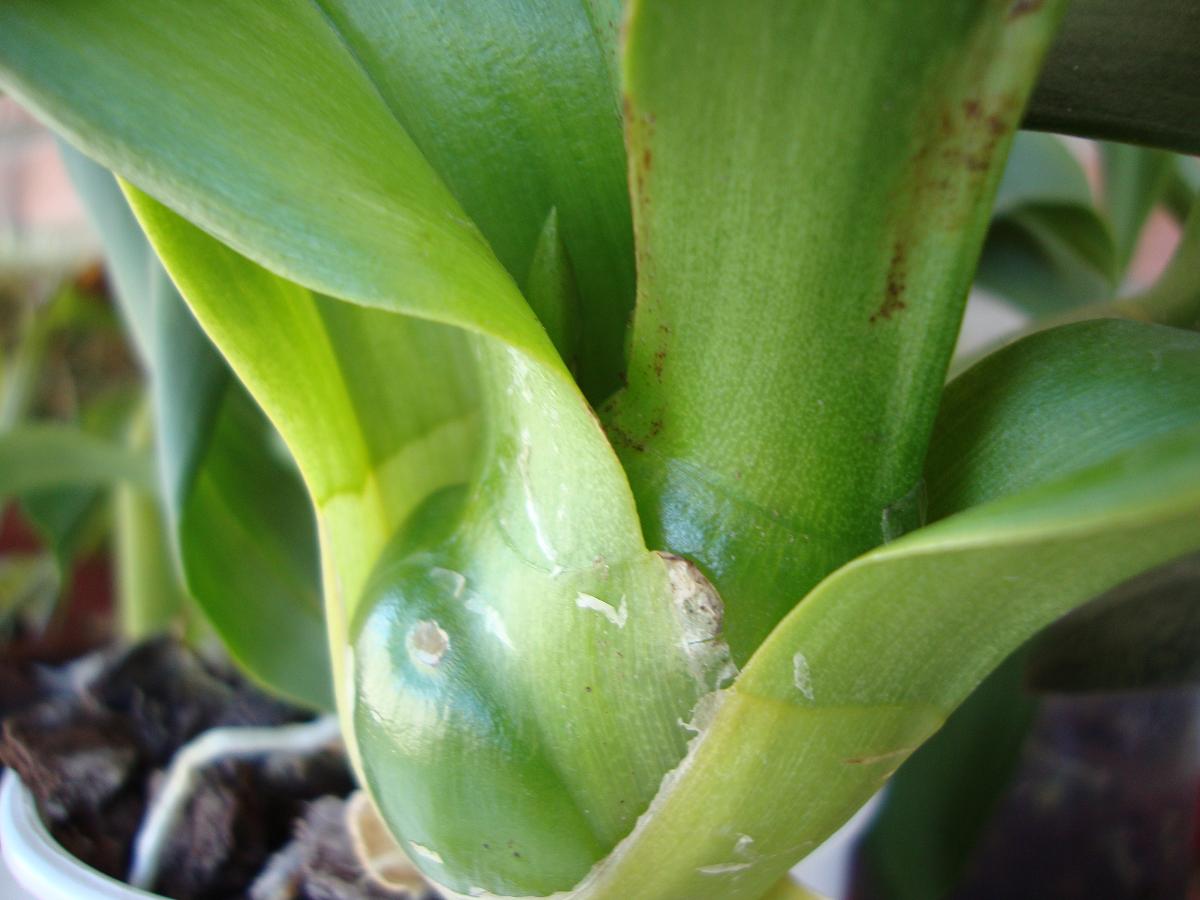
{"points": [[609, 349]]}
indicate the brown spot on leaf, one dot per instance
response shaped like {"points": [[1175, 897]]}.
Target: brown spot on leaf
{"points": [[619, 437], [893, 296], [660, 359], [971, 108]]}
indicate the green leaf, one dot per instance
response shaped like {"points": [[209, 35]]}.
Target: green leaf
{"points": [[37, 456], [552, 294], [1125, 72], [802, 273], [1056, 401], [514, 673], [69, 519], [515, 105], [198, 106], [242, 527]]}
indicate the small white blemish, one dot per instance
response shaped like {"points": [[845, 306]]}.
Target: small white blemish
{"points": [[802, 676], [491, 621], [427, 852], [724, 868], [617, 616], [742, 847], [454, 581], [427, 642]]}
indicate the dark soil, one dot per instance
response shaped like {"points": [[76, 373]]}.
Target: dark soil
{"points": [[92, 748]]}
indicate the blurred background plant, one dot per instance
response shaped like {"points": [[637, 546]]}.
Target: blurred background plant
{"points": [[81, 523], [128, 452]]}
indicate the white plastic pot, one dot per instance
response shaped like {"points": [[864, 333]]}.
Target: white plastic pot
{"points": [[39, 865]]}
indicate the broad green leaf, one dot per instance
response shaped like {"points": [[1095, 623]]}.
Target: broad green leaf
{"points": [[515, 105], [514, 673], [811, 185], [1056, 401], [258, 122], [1125, 72], [44, 455], [129, 261], [939, 803], [1134, 180], [242, 527]]}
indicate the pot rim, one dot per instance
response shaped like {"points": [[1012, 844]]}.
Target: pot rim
{"points": [[40, 864]]}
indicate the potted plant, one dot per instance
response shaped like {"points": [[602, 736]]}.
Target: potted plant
{"points": [[610, 347]]}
